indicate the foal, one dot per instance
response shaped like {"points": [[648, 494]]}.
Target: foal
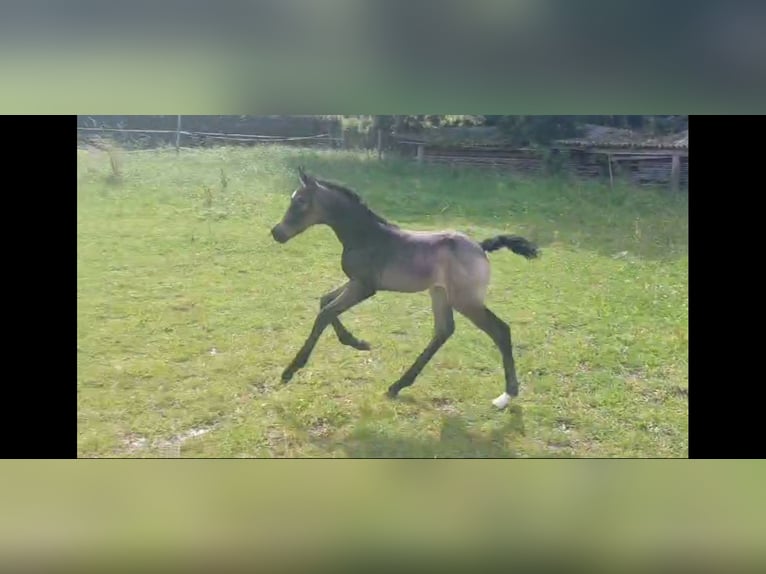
{"points": [[379, 256]]}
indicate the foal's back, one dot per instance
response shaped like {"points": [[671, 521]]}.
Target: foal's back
{"points": [[426, 259]]}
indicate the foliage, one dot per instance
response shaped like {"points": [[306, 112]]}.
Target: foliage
{"points": [[539, 131]]}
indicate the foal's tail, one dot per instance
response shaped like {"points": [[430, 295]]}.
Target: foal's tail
{"points": [[515, 243]]}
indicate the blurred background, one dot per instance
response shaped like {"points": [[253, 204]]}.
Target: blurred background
{"points": [[534, 56], [705, 516]]}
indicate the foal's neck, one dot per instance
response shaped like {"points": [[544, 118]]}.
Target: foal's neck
{"points": [[354, 224]]}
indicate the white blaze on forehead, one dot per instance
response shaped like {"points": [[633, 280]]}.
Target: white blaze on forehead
{"points": [[293, 195]]}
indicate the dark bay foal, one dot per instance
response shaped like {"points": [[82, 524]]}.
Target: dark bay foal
{"points": [[379, 256]]}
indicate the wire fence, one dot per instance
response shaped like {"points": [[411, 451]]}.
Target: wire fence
{"points": [[91, 136]]}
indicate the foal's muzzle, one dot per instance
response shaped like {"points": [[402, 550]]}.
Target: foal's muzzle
{"points": [[278, 234]]}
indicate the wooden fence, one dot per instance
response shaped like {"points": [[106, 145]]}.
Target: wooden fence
{"points": [[639, 166]]}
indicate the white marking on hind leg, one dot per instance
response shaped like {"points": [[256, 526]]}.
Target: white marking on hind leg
{"points": [[502, 401]]}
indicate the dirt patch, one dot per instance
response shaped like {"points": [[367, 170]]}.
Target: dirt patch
{"points": [[445, 405], [133, 443], [320, 429], [564, 424], [170, 448], [259, 388]]}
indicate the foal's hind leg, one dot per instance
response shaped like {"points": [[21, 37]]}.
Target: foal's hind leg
{"points": [[444, 326], [344, 336], [500, 332]]}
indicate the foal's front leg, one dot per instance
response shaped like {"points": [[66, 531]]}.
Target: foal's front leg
{"points": [[344, 336], [354, 293]]}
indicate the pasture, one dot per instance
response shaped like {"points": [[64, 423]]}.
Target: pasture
{"points": [[188, 311]]}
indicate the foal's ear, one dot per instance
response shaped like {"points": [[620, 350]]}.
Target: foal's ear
{"points": [[306, 180]]}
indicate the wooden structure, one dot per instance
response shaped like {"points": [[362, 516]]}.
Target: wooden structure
{"points": [[642, 160], [601, 153]]}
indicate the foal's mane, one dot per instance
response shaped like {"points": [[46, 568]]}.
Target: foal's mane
{"points": [[355, 198]]}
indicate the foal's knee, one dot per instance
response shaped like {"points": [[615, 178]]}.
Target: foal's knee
{"points": [[325, 317]]}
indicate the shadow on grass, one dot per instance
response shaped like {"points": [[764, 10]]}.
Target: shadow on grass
{"points": [[650, 223], [455, 440]]}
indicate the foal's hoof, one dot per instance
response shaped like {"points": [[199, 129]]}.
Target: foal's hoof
{"points": [[286, 376], [357, 344], [392, 392], [502, 401]]}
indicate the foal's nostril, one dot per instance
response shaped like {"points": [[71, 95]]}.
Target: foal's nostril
{"points": [[278, 235]]}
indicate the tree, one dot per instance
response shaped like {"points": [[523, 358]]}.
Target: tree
{"points": [[537, 130]]}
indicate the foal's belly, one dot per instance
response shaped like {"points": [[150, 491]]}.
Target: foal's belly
{"points": [[408, 277]]}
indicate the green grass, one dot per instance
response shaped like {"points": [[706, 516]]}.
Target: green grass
{"points": [[188, 311]]}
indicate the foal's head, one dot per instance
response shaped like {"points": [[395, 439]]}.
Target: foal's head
{"points": [[304, 211]]}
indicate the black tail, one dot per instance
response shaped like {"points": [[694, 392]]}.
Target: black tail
{"points": [[515, 243]]}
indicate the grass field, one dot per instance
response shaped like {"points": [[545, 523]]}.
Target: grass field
{"points": [[188, 311]]}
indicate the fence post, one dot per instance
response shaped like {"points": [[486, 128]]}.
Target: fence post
{"points": [[611, 178], [331, 134], [675, 173], [420, 153], [380, 142], [178, 134]]}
